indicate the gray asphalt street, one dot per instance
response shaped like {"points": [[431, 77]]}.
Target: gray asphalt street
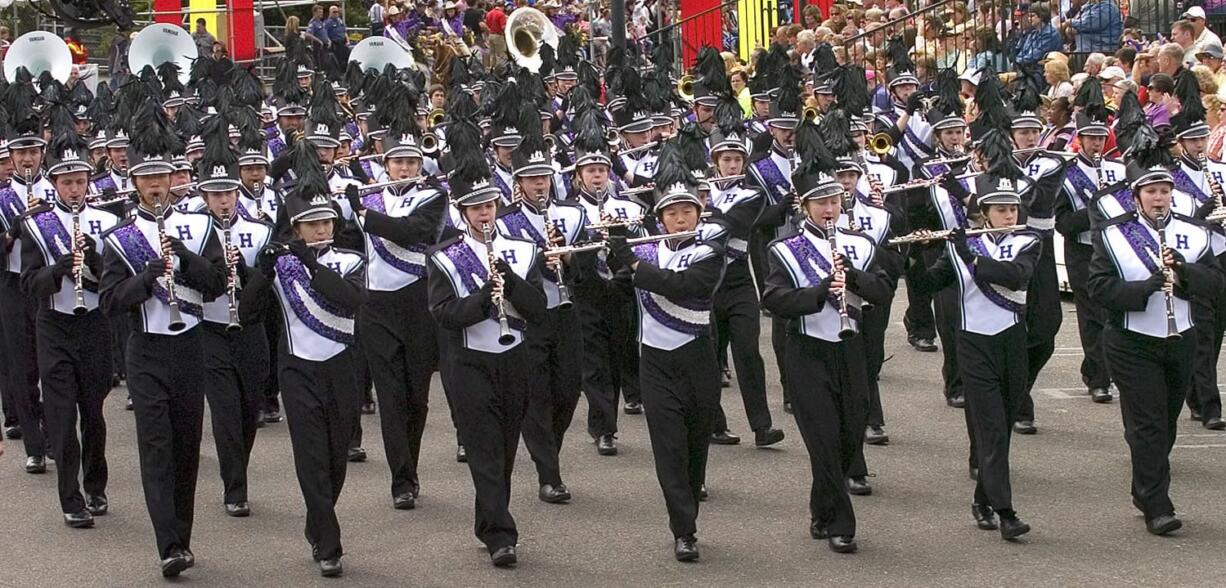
{"points": [[1070, 482]]}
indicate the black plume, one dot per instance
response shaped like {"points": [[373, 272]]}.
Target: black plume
{"points": [[81, 96], [729, 116], [850, 90], [1090, 99], [1128, 121], [169, 73], [997, 150], [899, 58], [324, 106], [790, 79], [217, 150], [692, 143], [99, 110], [1148, 150], [710, 71], [990, 99], [949, 98], [824, 61], [814, 156], [589, 132], [468, 161], [766, 72], [672, 167], [150, 132], [311, 180], [248, 90], [1026, 96], [835, 129], [1187, 91]]}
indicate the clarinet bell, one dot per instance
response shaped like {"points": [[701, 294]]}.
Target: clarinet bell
{"points": [[176, 319], [847, 330], [505, 336], [233, 327], [80, 309]]}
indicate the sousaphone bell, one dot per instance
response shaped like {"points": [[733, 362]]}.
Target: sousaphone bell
{"points": [[39, 51], [160, 43], [377, 52], [526, 30]]}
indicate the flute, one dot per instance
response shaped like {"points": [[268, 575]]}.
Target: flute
{"points": [[913, 184], [598, 245], [922, 236], [371, 188]]}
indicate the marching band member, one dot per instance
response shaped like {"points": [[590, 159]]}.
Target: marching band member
{"points": [[1197, 192], [158, 267], [1091, 172], [991, 272], [115, 176], [735, 307], [319, 289], [235, 350], [815, 285], [1043, 314], [554, 392], [399, 223], [905, 123], [1147, 267], [26, 189], [674, 280], [485, 293], [60, 241]]}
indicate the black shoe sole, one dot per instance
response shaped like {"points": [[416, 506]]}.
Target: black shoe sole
{"points": [[987, 525], [607, 452], [332, 573], [860, 491], [79, 524], [174, 567], [563, 499], [1216, 426], [1014, 533], [238, 514], [719, 441], [505, 560], [687, 556], [877, 440], [1170, 527], [1102, 399], [850, 548]]}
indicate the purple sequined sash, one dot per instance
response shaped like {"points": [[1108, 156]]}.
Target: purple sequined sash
{"points": [[11, 205], [53, 232], [802, 249], [104, 183], [777, 185], [375, 202], [502, 186], [518, 225], [1082, 184], [654, 304], [137, 250], [330, 321], [976, 243], [470, 267], [1143, 244], [1184, 184]]}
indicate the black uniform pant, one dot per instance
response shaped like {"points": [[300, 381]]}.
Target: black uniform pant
{"points": [[490, 391], [165, 376], [74, 360], [1152, 374], [1090, 316], [610, 360], [553, 392], [738, 321], [680, 396], [19, 352], [1208, 319], [401, 348], [918, 319], [361, 370], [321, 400], [779, 339], [120, 329], [273, 326], [994, 381], [236, 370], [830, 402], [1043, 318], [949, 323], [873, 326]]}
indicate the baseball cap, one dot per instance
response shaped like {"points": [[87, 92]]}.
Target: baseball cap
{"points": [[1195, 12], [1211, 49]]}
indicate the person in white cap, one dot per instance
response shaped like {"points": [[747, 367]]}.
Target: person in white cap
{"points": [[1203, 36]]}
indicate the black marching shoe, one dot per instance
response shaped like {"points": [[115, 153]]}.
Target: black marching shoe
{"points": [[1163, 524], [461, 454], [767, 436], [724, 437], [859, 486], [190, 558], [725, 378], [357, 454], [1012, 527], [1101, 395], [1193, 414], [13, 432], [686, 548], [554, 494], [876, 435], [128, 404], [818, 531], [633, 408], [174, 565], [703, 494], [97, 504], [972, 472], [331, 568], [922, 344], [1025, 428], [405, 501], [238, 509], [984, 517], [787, 407], [504, 557], [79, 520], [605, 445], [368, 408], [1215, 424], [956, 400], [843, 544], [273, 416], [36, 464]]}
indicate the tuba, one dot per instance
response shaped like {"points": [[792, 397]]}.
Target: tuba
{"points": [[38, 52], [161, 43], [526, 30]]}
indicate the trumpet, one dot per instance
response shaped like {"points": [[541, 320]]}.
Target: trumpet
{"points": [[925, 236], [847, 329], [429, 144], [435, 118], [598, 245], [78, 269], [685, 87], [811, 114], [505, 336], [176, 323], [233, 325], [913, 184], [1168, 286], [880, 144]]}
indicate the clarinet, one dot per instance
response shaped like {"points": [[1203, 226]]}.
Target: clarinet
{"points": [[1214, 187], [258, 194], [172, 301], [231, 280], [847, 330], [556, 261], [78, 269], [1168, 287], [1098, 171], [505, 336]]}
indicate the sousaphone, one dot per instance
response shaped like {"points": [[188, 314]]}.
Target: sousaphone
{"points": [[526, 30], [38, 52], [377, 52], [160, 43]]}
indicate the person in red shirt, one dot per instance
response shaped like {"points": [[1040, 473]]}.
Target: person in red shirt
{"points": [[496, 22], [80, 55]]}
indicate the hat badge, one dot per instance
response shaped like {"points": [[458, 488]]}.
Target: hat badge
{"points": [[537, 156], [219, 171], [320, 200], [1004, 185], [321, 129], [70, 155], [482, 183]]}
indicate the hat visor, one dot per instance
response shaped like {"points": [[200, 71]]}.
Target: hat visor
{"points": [[151, 168], [219, 185], [323, 141], [252, 160], [677, 197], [1094, 131], [1196, 132], [479, 196], [638, 126], [823, 191], [594, 159], [538, 169], [314, 214], [950, 123], [69, 167], [395, 152], [291, 111], [1154, 177], [26, 142], [507, 141], [784, 123], [998, 198]]}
